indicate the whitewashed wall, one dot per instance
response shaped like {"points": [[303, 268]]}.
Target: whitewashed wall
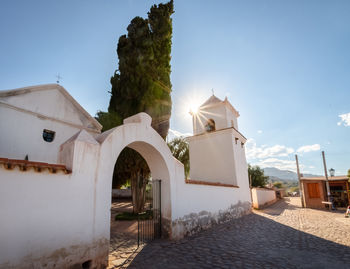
{"points": [[212, 157], [64, 220], [48, 219], [262, 197], [24, 116], [197, 207], [216, 157]]}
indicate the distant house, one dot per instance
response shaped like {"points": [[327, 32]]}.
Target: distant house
{"points": [[36, 120], [314, 191]]}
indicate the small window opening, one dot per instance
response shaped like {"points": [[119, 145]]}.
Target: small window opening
{"points": [[48, 135], [210, 126]]}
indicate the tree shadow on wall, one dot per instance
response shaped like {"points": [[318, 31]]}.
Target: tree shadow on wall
{"points": [[252, 241]]}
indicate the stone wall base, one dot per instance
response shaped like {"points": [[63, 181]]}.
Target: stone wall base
{"points": [[195, 222], [94, 256]]}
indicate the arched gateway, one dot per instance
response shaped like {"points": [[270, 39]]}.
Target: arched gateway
{"points": [[135, 133]]}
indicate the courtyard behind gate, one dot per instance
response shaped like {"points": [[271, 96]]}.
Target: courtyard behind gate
{"points": [[281, 236]]}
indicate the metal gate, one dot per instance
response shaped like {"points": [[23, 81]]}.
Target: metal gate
{"points": [[149, 222]]}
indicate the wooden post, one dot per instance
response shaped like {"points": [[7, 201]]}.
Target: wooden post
{"points": [[327, 182], [300, 184], [348, 191]]}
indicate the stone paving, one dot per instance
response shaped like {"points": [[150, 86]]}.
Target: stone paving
{"points": [[123, 244], [123, 249], [281, 236]]}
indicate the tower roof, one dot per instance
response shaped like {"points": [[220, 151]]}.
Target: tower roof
{"points": [[212, 100]]}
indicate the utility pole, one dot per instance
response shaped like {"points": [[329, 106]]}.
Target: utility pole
{"points": [[299, 181], [327, 182]]}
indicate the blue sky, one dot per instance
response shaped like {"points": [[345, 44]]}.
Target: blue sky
{"points": [[284, 65]]}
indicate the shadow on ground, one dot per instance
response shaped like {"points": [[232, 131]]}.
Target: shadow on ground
{"points": [[252, 241], [279, 207]]}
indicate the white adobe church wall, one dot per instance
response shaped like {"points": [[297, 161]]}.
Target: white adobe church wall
{"points": [[218, 188], [64, 220], [48, 219], [26, 112], [217, 155], [200, 207], [212, 157]]}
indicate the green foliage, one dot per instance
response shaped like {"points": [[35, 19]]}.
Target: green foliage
{"points": [[180, 150], [349, 173], [142, 81], [126, 185], [108, 120], [289, 184], [278, 185], [256, 174], [129, 164]]}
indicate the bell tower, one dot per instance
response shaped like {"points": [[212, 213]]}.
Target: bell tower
{"points": [[217, 153]]}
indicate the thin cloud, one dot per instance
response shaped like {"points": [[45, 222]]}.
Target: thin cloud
{"points": [[255, 152], [309, 148], [344, 119]]}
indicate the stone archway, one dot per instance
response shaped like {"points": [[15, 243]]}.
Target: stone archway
{"points": [[136, 133]]}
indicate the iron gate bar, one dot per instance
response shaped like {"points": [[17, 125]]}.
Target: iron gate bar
{"points": [[149, 222]]}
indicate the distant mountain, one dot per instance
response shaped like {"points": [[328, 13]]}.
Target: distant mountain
{"points": [[275, 173]]}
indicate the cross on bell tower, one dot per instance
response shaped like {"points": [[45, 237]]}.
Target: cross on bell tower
{"points": [[58, 78]]}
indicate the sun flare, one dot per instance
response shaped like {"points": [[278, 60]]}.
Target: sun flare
{"points": [[194, 107], [191, 102]]}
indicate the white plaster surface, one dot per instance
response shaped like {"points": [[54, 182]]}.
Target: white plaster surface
{"points": [[47, 217], [216, 157], [262, 197], [25, 113], [212, 157], [222, 113]]}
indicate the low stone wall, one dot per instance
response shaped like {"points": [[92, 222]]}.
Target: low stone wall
{"points": [[195, 222], [121, 193], [263, 197]]}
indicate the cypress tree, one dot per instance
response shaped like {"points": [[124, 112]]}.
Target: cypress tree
{"points": [[141, 84], [142, 81]]}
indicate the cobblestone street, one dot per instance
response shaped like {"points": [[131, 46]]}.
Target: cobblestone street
{"points": [[123, 243], [281, 236]]}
